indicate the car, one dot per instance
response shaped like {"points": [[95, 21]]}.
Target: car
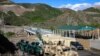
{"points": [[77, 46]]}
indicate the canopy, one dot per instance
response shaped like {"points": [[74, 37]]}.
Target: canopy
{"points": [[87, 28], [70, 27]]}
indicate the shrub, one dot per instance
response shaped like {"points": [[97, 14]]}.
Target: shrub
{"points": [[10, 34], [1, 32]]}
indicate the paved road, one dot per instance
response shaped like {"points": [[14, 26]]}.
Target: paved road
{"points": [[87, 53], [83, 53], [95, 44]]}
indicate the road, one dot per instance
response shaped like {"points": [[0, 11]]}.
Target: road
{"points": [[87, 53], [95, 44]]}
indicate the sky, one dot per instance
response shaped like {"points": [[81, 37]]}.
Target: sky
{"points": [[72, 4]]}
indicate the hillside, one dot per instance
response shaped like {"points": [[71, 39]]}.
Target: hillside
{"points": [[86, 17], [92, 9], [43, 15], [42, 12], [37, 13], [17, 9], [3, 0]]}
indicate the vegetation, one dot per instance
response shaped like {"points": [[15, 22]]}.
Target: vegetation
{"points": [[26, 5], [95, 25], [47, 16], [42, 13], [92, 9], [11, 19], [1, 32], [92, 24], [9, 34], [52, 28], [95, 15]]}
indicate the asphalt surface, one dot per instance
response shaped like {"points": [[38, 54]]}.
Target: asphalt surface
{"points": [[88, 53], [95, 44]]}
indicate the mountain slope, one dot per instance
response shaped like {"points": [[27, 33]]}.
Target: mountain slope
{"points": [[42, 12], [93, 11], [37, 13], [70, 17], [18, 10], [46, 16]]}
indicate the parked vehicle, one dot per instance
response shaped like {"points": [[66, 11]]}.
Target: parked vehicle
{"points": [[77, 46]]}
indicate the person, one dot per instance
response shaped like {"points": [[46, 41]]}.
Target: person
{"points": [[27, 48], [38, 49], [33, 45], [59, 43], [21, 45]]}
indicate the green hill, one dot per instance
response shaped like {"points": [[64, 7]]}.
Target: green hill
{"points": [[42, 12]]}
